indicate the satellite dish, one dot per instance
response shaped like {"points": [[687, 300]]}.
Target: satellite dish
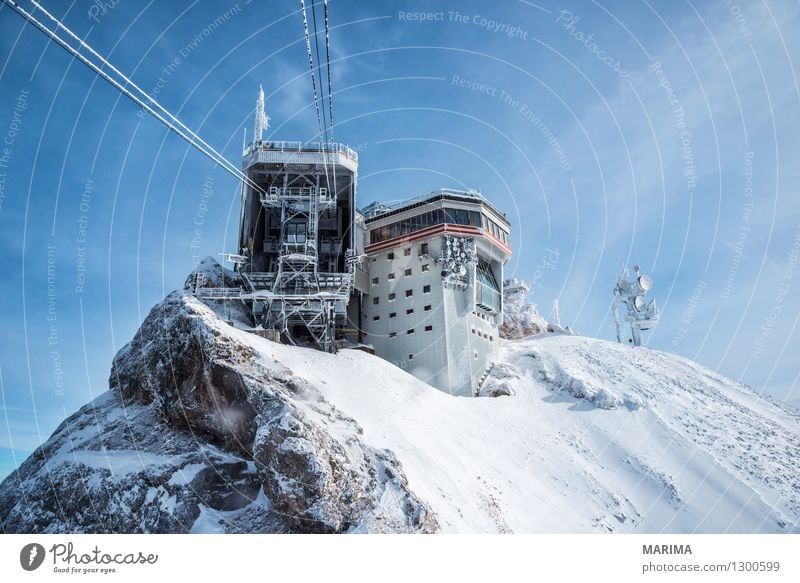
{"points": [[640, 315]]}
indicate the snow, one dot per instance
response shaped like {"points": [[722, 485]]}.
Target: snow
{"points": [[185, 475], [520, 318], [211, 521], [597, 437], [120, 461]]}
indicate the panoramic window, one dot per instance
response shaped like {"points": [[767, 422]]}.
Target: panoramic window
{"points": [[487, 292]]}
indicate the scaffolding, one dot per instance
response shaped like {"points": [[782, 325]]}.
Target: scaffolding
{"points": [[302, 301]]}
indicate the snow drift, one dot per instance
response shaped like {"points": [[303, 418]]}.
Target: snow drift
{"points": [[209, 428]]}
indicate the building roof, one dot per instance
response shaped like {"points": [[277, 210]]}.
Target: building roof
{"points": [[377, 210]]}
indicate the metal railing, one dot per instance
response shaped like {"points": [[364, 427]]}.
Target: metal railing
{"points": [[294, 146], [275, 193]]}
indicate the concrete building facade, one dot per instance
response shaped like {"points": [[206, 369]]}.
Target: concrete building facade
{"points": [[434, 301]]}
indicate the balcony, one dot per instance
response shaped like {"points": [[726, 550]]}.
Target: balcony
{"points": [[317, 153]]}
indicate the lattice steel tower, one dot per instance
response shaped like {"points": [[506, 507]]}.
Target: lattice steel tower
{"points": [[297, 238]]}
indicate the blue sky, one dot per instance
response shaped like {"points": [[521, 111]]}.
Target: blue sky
{"points": [[663, 134]]}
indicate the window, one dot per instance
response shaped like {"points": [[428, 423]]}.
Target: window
{"points": [[374, 281], [410, 357], [409, 311], [390, 256], [426, 289], [390, 276], [427, 308], [296, 233], [428, 328], [487, 292], [407, 272], [376, 301], [394, 335], [476, 355], [423, 249], [491, 338], [410, 331], [409, 293], [392, 296], [375, 318], [407, 251], [426, 267], [392, 314]]}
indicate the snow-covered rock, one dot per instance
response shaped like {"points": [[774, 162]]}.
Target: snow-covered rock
{"points": [[520, 319], [200, 433], [209, 428]]}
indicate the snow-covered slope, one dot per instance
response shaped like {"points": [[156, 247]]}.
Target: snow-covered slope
{"points": [[598, 436], [211, 428]]}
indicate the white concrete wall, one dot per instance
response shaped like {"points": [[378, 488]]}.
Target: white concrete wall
{"points": [[445, 356]]}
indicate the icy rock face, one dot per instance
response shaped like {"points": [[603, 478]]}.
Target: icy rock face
{"points": [[197, 434], [212, 275], [520, 319]]}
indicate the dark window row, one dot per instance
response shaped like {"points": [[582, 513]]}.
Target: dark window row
{"points": [[425, 220], [410, 331]]}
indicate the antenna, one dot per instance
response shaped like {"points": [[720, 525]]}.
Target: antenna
{"points": [[555, 316], [262, 121], [639, 315]]}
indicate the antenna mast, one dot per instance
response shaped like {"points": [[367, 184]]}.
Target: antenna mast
{"points": [[262, 121]]}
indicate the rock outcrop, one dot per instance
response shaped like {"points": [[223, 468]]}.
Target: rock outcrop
{"points": [[520, 319], [198, 434]]}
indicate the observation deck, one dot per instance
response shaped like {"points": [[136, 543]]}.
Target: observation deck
{"points": [[312, 153]]}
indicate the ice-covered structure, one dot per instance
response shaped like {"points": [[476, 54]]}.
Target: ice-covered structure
{"points": [[417, 281]]}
